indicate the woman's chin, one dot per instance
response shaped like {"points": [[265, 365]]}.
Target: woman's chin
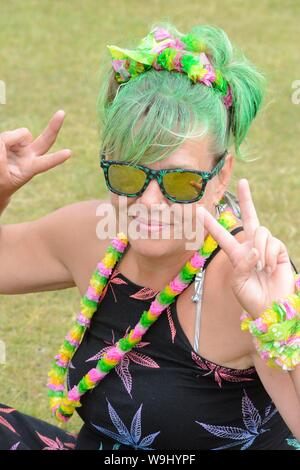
{"points": [[154, 246]]}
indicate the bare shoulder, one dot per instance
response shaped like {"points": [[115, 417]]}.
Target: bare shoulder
{"points": [[63, 227], [53, 250], [78, 213], [75, 237]]}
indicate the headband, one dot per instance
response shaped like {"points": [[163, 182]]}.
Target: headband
{"points": [[162, 51]]}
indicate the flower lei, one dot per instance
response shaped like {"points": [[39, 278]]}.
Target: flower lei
{"points": [[276, 332], [161, 51], [63, 404]]}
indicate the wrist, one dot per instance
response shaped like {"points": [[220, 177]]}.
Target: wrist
{"points": [[276, 332]]}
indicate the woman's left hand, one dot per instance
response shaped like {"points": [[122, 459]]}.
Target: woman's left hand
{"points": [[265, 276]]}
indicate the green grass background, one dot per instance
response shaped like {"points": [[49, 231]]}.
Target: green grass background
{"points": [[50, 56]]}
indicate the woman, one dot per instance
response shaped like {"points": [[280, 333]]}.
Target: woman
{"points": [[175, 102]]}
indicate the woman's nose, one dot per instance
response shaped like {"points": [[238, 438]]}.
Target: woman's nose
{"points": [[152, 194]]}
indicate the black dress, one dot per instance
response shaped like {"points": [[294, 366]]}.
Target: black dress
{"points": [[163, 395], [22, 432]]}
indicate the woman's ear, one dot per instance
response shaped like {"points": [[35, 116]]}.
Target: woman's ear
{"points": [[224, 176]]}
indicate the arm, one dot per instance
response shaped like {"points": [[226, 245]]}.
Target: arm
{"points": [[280, 387], [278, 384], [39, 255], [295, 376], [251, 287]]}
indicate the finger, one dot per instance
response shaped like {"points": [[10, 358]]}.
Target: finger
{"points": [[273, 250], [260, 240], [4, 173], [46, 162], [248, 212], [3, 156], [21, 136], [47, 138], [246, 265], [226, 241]]}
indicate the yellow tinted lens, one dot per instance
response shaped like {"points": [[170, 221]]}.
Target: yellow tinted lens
{"points": [[126, 179], [183, 186]]}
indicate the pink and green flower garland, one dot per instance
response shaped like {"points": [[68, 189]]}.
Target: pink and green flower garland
{"points": [[63, 403]]}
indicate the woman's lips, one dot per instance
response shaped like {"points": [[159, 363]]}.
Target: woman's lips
{"points": [[154, 226]]}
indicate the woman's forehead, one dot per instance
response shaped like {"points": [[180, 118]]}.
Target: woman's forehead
{"points": [[192, 154]]}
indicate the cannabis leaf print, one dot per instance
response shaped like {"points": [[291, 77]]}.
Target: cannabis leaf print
{"points": [[253, 426], [130, 438], [4, 421], [171, 323], [114, 279], [15, 446], [115, 447], [293, 443], [122, 369], [7, 410], [145, 293], [222, 373], [55, 444]]}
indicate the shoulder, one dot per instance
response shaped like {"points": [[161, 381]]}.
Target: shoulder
{"points": [[78, 216], [71, 231], [81, 210], [280, 387]]}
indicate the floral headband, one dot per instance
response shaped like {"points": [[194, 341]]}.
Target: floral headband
{"points": [[162, 51]]}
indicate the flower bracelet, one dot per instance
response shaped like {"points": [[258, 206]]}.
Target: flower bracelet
{"points": [[276, 332]]}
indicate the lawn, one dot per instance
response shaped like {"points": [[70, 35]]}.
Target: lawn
{"points": [[51, 54]]}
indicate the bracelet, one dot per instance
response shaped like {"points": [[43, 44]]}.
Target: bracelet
{"points": [[276, 332]]}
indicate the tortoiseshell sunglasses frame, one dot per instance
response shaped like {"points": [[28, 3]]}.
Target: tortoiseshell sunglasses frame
{"points": [[158, 175]]}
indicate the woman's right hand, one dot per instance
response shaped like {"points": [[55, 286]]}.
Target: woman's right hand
{"points": [[21, 157]]}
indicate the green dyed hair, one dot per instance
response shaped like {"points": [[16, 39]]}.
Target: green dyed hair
{"points": [[150, 116]]}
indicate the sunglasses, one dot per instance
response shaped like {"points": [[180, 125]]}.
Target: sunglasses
{"points": [[177, 185]]}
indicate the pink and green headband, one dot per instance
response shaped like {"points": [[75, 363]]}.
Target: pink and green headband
{"points": [[162, 51]]}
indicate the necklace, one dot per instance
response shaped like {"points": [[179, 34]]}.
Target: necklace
{"points": [[63, 403]]}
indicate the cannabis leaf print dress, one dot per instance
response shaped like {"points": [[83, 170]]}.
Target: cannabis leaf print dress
{"points": [[19, 431], [163, 395]]}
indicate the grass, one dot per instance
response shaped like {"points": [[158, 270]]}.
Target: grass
{"points": [[50, 56]]}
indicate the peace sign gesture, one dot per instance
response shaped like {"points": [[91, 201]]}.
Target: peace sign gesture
{"points": [[262, 270]]}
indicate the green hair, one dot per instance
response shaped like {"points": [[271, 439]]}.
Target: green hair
{"points": [[151, 115]]}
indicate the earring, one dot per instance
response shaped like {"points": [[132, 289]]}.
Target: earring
{"points": [[219, 208]]}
